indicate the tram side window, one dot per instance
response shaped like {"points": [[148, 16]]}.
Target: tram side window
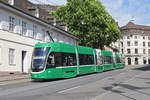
{"points": [[107, 60], [50, 61], [118, 60], [86, 59], [69, 59], [90, 59], [58, 59]]}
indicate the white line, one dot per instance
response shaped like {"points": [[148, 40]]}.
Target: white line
{"points": [[69, 89]]}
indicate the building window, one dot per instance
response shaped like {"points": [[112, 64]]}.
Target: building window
{"points": [[43, 34], [144, 51], [136, 51], [11, 2], [128, 43], [11, 56], [122, 51], [143, 37], [136, 43], [35, 31], [148, 44], [149, 38], [121, 44], [128, 51], [128, 37], [135, 37], [149, 52], [11, 23], [24, 28], [143, 44]]}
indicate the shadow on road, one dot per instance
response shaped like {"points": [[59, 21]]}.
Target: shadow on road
{"points": [[145, 68], [126, 86]]}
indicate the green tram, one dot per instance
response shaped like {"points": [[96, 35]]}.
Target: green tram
{"points": [[59, 60]]}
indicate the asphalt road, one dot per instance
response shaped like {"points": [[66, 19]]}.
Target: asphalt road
{"points": [[85, 87]]}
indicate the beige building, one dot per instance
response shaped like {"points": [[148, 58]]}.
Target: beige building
{"points": [[19, 32], [135, 44]]}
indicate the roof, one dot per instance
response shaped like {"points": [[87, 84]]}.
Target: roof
{"points": [[38, 20], [44, 10], [47, 8], [131, 25]]}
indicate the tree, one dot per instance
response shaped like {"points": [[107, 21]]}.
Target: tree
{"points": [[89, 20]]}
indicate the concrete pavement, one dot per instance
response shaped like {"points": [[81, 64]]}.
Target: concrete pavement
{"points": [[9, 76], [130, 83], [136, 87]]}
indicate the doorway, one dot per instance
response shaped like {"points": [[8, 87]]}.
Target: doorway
{"points": [[136, 60], [149, 61], [24, 67], [129, 61]]}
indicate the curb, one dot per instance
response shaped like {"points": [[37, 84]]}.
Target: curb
{"points": [[14, 79]]}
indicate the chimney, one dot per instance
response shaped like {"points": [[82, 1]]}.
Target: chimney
{"points": [[66, 27], [34, 11], [37, 12], [54, 21], [11, 2]]}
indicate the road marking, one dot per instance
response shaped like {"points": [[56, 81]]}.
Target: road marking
{"points": [[69, 89], [14, 81]]}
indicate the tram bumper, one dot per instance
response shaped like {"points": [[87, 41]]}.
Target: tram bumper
{"points": [[38, 75]]}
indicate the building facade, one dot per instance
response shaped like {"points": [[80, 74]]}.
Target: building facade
{"points": [[19, 32], [135, 44]]}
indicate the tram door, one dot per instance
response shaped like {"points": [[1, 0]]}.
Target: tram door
{"points": [[24, 61]]}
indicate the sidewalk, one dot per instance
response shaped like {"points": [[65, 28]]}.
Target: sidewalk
{"points": [[8, 76], [135, 88]]}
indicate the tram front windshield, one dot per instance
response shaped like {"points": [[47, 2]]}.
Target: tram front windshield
{"points": [[39, 57]]}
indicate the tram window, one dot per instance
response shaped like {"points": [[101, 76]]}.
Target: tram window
{"points": [[69, 59], [50, 61], [118, 60], [64, 59], [58, 59], [90, 59], [82, 59], [86, 59], [107, 60]]}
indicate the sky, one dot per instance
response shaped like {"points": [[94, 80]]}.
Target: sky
{"points": [[122, 11]]}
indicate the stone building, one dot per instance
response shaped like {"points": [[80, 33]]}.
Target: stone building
{"points": [[41, 11], [135, 44], [20, 31]]}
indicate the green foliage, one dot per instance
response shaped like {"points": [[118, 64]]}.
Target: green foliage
{"points": [[89, 20]]}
